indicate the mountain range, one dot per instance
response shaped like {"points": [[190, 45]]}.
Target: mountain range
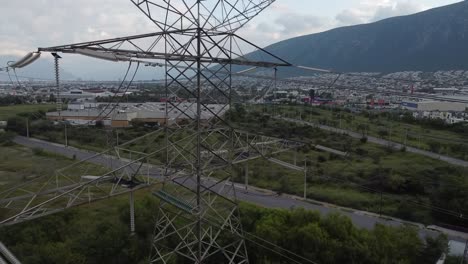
{"points": [[433, 40], [436, 39]]}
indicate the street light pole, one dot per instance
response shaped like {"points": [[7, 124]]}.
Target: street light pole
{"points": [[27, 127], [406, 137], [305, 179], [66, 136]]}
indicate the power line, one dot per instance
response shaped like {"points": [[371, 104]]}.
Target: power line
{"points": [[120, 99], [118, 90]]}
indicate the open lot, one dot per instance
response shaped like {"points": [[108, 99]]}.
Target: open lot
{"points": [[382, 125], [13, 110]]}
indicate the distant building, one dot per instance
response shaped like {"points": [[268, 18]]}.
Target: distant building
{"points": [[122, 115], [433, 106], [448, 117]]}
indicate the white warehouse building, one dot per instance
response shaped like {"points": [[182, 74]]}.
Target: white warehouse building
{"points": [[434, 106]]}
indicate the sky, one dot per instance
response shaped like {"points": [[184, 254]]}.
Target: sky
{"points": [[28, 24]]}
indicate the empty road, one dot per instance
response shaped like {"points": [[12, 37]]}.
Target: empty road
{"points": [[383, 142], [256, 196]]}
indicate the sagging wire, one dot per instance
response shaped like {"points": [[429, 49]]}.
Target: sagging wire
{"points": [[120, 99], [115, 94]]}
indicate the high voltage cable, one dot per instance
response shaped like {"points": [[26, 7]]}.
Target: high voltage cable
{"points": [[276, 252], [309, 82], [115, 94], [126, 90], [251, 75]]}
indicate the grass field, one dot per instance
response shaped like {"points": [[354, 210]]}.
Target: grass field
{"points": [[371, 178], [20, 164], [11, 111], [436, 140]]}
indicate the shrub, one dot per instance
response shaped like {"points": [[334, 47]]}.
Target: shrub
{"points": [[6, 138], [321, 159], [38, 151]]}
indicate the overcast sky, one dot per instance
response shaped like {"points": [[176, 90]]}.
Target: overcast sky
{"points": [[28, 24]]}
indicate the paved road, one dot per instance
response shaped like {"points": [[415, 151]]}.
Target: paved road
{"points": [[257, 196], [383, 142]]}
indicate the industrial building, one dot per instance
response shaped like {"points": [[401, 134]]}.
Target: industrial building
{"points": [[123, 114], [430, 106]]}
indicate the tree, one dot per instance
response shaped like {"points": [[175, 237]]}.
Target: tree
{"points": [[434, 146], [383, 133]]}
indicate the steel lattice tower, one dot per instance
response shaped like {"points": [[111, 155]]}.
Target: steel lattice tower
{"points": [[198, 220], [197, 45]]}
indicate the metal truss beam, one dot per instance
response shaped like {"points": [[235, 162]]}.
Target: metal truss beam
{"points": [[221, 15], [182, 42], [199, 48]]}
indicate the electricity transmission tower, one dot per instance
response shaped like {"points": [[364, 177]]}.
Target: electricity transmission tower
{"points": [[199, 50]]}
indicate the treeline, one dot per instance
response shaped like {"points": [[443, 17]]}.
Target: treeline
{"points": [[16, 100], [99, 234], [12, 100], [407, 117]]}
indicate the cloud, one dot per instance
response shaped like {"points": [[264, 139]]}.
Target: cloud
{"points": [[373, 10], [285, 24], [42, 23], [294, 23], [350, 17], [397, 9], [50, 22]]}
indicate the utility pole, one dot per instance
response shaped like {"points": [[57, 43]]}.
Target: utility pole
{"points": [[381, 190], [117, 143], [27, 127], [340, 120], [406, 136], [66, 136], [305, 179], [198, 165], [390, 133]]}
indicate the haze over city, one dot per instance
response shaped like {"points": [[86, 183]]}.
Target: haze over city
{"points": [[49, 22]]}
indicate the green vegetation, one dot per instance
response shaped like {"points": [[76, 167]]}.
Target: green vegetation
{"points": [[397, 126], [455, 260], [20, 164], [371, 178], [98, 233], [10, 111]]}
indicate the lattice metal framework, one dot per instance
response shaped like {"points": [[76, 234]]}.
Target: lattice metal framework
{"points": [[199, 50], [99, 176]]}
